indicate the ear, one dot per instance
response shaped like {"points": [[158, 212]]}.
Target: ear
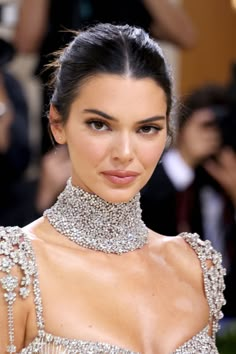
{"points": [[56, 126]]}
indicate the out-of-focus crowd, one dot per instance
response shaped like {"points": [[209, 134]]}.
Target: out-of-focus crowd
{"points": [[193, 187]]}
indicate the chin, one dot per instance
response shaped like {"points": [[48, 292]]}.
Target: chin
{"points": [[118, 196]]}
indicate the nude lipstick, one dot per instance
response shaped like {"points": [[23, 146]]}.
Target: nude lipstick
{"points": [[120, 177]]}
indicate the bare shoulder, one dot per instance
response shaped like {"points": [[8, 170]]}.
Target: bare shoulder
{"points": [[181, 254], [41, 235], [175, 248], [198, 262], [188, 248]]}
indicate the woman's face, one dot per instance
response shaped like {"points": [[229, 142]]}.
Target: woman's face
{"points": [[116, 132]]}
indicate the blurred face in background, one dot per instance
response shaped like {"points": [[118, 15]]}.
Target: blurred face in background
{"points": [[199, 138]]}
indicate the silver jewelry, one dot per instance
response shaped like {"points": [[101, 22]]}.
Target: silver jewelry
{"points": [[94, 223]]}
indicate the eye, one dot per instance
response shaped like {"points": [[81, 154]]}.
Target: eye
{"points": [[97, 125], [149, 129]]}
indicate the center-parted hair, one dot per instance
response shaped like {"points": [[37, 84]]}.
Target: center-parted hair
{"points": [[107, 49]]}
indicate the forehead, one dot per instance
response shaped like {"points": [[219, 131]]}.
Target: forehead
{"points": [[122, 95]]}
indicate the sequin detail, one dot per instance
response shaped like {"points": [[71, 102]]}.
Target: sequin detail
{"points": [[201, 343], [46, 343], [16, 251], [213, 276], [91, 222]]}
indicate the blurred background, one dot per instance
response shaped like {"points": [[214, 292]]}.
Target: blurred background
{"points": [[197, 173]]}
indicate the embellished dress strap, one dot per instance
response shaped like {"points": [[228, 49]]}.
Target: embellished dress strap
{"points": [[213, 276], [16, 251]]}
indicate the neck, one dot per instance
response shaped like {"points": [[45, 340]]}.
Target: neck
{"points": [[91, 222]]}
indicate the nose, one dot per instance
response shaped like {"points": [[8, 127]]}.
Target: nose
{"points": [[123, 148]]}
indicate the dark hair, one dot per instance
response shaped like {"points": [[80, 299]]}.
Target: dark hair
{"points": [[107, 49], [204, 96]]}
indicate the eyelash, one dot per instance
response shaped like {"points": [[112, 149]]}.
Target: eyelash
{"points": [[91, 123], [154, 129]]}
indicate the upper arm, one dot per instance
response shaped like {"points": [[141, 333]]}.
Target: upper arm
{"points": [[32, 25], [171, 23]]}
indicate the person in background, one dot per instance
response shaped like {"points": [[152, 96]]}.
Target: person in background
{"points": [[224, 172], [193, 188], [89, 276], [164, 20], [14, 147], [43, 28]]}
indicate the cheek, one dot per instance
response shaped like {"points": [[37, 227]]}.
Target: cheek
{"points": [[151, 154], [89, 151], [94, 154]]}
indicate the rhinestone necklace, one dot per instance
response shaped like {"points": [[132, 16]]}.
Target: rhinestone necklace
{"points": [[91, 222]]}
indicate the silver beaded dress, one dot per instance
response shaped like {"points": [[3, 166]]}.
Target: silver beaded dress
{"points": [[16, 250]]}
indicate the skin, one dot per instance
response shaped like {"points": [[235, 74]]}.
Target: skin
{"points": [[122, 143], [55, 170], [31, 26], [199, 138], [147, 300], [171, 23]]}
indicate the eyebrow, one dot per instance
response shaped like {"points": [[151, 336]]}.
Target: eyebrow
{"points": [[107, 116]]}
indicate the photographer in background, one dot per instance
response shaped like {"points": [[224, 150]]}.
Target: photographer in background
{"points": [[14, 146], [194, 187]]}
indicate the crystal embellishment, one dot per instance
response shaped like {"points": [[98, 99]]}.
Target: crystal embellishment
{"points": [[17, 254], [9, 282], [91, 222], [47, 343], [21, 255], [213, 276]]}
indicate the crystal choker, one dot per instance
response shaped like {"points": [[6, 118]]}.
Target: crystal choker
{"points": [[91, 222]]}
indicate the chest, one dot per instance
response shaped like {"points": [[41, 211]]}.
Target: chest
{"points": [[114, 302]]}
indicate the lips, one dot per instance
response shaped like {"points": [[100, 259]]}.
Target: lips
{"points": [[120, 177], [120, 173]]}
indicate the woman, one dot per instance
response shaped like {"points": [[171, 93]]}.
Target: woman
{"points": [[89, 277]]}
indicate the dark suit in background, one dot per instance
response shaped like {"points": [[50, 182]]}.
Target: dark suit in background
{"points": [[169, 212]]}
